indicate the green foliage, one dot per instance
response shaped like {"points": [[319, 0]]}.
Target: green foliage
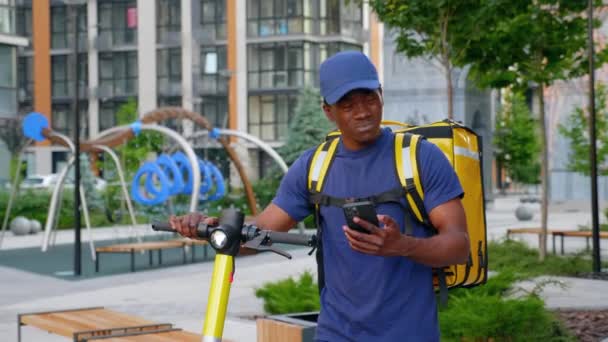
{"points": [[516, 141], [486, 312], [290, 295], [426, 28], [35, 204], [93, 196], [308, 128], [429, 29], [514, 256], [576, 131], [529, 42], [481, 317], [265, 189]]}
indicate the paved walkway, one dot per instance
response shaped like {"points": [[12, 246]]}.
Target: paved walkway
{"points": [[178, 294]]}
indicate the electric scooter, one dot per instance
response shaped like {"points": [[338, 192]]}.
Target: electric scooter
{"points": [[226, 238]]}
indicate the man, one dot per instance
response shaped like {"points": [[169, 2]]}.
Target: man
{"points": [[378, 286]]}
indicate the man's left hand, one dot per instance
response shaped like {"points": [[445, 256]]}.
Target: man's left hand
{"points": [[387, 241]]}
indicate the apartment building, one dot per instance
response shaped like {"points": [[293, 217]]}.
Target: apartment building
{"points": [[239, 62], [10, 42]]}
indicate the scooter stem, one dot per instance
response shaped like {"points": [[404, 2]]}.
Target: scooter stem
{"points": [[219, 293]]}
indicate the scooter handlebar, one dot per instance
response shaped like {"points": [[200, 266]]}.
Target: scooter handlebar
{"points": [[162, 227], [291, 239]]}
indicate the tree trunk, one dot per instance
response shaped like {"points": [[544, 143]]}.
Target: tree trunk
{"points": [[544, 175], [450, 91]]}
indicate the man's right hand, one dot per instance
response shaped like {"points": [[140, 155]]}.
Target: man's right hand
{"points": [[186, 225]]}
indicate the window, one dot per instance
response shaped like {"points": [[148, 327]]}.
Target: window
{"points": [[62, 77], [63, 118], [118, 73], [26, 81], [280, 65], [169, 71], [118, 21], [168, 14], [279, 17], [7, 16], [107, 113], [61, 27], [8, 84], [213, 18], [213, 62], [352, 20], [215, 110], [24, 21], [269, 115]]}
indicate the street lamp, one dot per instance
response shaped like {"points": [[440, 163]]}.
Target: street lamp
{"points": [[73, 6], [593, 149]]}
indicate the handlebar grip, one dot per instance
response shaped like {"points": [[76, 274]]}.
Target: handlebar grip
{"points": [[162, 227], [292, 239]]}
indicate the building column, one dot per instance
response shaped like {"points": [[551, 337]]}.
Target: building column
{"points": [[146, 59], [41, 37], [376, 44], [188, 45], [93, 68], [232, 53], [240, 71]]}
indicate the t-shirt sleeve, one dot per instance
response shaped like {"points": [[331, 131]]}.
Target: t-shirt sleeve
{"points": [[292, 195], [439, 180]]}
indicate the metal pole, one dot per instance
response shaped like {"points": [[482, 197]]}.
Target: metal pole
{"points": [[593, 149], [75, 109]]}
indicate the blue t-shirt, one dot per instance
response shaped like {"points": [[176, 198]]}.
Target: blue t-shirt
{"points": [[366, 297]]}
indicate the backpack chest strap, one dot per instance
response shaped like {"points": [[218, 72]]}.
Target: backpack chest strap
{"points": [[395, 195]]}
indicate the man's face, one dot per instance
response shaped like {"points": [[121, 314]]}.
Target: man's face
{"points": [[358, 115]]}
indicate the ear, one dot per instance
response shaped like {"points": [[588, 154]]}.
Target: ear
{"points": [[381, 95], [329, 113]]}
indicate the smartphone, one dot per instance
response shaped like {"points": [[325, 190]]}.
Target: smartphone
{"points": [[365, 210]]}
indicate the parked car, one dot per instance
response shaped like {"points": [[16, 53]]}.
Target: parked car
{"points": [[39, 181], [47, 182]]}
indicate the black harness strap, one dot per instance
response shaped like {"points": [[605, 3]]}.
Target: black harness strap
{"points": [[394, 195]]}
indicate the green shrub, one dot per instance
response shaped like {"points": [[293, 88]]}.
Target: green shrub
{"points": [[473, 317], [290, 295], [483, 312], [515, 256]]}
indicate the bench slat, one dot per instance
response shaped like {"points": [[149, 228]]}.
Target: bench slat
{"points": [[69, 322], [143, 246]]}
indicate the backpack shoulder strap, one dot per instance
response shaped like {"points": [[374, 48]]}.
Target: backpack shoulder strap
{"points": [[406, 162], [320, 163]]}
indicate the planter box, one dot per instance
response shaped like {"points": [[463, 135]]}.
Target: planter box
{"points": [[298, 327]]}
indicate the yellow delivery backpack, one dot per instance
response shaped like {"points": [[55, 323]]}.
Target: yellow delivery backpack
{"points": [[463, 148]]}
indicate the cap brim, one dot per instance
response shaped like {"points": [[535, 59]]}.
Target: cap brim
{"points": [[337, 94]]}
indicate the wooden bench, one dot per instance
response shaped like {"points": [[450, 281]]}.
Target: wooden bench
{"points": [[171, 335], [587, 234], [149, 246], [89, 323], [556, 233]]}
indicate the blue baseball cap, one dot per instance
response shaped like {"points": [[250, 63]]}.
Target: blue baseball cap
{"points": [[346, 71]]}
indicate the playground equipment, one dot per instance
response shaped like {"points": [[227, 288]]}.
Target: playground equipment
{"points": [[170, 172], [38, 129], [226, 239]]}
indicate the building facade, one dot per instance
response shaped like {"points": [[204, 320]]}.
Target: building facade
{"points": [[239, 63], [10, 43]]}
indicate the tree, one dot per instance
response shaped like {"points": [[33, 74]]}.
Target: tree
{"points": [[576, 131], [516, 141], [11, 133], [428, 28], [308, 127], [529, 42]]}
